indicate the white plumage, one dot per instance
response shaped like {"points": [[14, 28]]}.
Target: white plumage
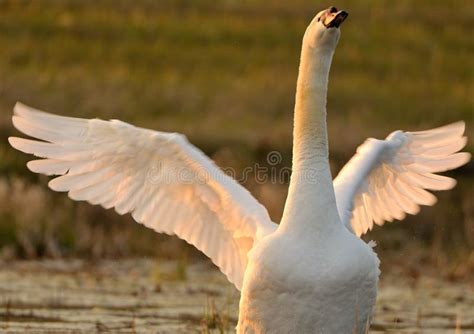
{"points": [[160, 178], [310, 274], [386, 179]]}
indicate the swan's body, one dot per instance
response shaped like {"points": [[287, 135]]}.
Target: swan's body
{"points": [[293, 286], [284, 290], [310, 274]]}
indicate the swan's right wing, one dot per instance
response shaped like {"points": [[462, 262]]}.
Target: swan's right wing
{"points": [[386, 179], [166, 183]]}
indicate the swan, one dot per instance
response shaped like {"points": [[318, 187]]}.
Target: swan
{"points": [[309, 274]]}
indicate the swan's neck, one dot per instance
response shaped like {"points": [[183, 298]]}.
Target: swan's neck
{"points": [[311, 205]]}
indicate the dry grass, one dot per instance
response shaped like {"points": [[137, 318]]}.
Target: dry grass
{"points": [[119, 297]]}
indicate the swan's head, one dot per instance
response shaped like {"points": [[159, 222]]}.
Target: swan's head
{"points": [[323, 32]]}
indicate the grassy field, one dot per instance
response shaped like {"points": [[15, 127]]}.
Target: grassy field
{"points": [[223, 73]]}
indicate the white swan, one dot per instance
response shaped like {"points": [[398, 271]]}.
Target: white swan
{"points": [[310, 274]]}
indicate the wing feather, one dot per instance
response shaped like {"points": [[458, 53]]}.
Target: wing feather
{"points": [[390, 178], [166, 183], [49, 167]]}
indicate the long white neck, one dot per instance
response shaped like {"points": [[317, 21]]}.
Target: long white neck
{"points": [[311, 205]]}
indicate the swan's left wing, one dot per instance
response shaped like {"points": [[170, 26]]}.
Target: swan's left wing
{"points": [[386, 179]]}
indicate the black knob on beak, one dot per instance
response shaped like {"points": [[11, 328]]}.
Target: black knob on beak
{"points": [[334, 19]]}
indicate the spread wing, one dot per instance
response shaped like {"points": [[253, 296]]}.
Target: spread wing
{"points": [[386, 179], [166, 183]]}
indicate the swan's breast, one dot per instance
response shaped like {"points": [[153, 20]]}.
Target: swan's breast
{"points": [[303, 287]]}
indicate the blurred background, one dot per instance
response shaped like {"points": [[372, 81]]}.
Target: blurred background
{"points": [[224, 74]]}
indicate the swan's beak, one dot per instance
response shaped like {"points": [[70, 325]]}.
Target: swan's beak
{"points": [[334, 18]]}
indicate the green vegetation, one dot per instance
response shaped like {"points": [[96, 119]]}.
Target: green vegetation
{"points": [[223, 73]]}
